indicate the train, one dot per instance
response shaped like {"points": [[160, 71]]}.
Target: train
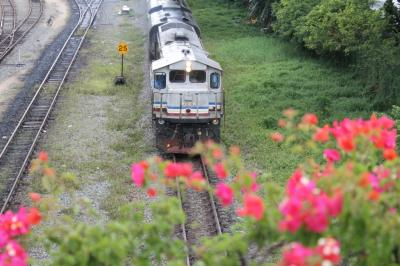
{"points": [[187, 95]]}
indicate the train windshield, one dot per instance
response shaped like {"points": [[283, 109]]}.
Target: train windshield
{"points": [[160, 80], [177, 76], [197, 76], [214, 80]]}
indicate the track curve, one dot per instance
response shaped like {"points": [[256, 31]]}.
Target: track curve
{"points": [[12, 38], [15, 155]]}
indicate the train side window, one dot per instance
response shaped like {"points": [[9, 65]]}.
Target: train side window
{"points": [[215, 80], [160, 80], [197, 76], [177, 76]]}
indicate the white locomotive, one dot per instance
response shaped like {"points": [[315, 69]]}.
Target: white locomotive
{"points": [[187, 92]]}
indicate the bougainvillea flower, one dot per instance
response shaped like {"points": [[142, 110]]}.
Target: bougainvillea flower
{"points": [[13, 255], [331, 155], [346, 143], [310, 119], [172, 170], [282, 123], [196, 181], [374, 195], [253, 207], [389, 154], [322, 134], [137, 174], [34, 216], [329, 250], [335, 203], [15, 224], [220, 171], [277, 137], [291, 209], [35, 197], [224, 193], [151, 192], [43, 156], [296, 255], [307, 205], [217, 154]]}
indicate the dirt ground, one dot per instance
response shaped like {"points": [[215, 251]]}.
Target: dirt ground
{"points": [[54, 18]]}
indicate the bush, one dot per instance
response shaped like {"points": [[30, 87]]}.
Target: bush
{"points": [[340, 205], [290, 16]]}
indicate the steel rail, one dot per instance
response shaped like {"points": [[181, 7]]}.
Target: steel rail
{"points": [[20, 31], [82, 17], [212, 204], [4, 17]]}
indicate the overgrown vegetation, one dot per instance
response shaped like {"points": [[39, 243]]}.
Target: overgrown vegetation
{"points": [[353, 32], [265, 75]]}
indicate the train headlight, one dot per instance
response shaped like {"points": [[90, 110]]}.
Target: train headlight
{"points": [[161, 121], [188, 66], [215, 121]]}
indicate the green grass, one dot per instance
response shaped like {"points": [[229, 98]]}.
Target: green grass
{"points": [[265, 75]]}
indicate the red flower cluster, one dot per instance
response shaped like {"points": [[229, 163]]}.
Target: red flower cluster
{"points": [[139, 172], [11, 226], [379, 131], [326, 253], [253, 207], [307, 205]]}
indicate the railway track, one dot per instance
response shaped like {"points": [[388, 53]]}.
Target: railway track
{"points": [[17, 151], [7, 18], [203, 213], [8, 40]]}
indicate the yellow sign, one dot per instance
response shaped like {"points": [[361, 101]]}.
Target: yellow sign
{"points": [[122, 48]]}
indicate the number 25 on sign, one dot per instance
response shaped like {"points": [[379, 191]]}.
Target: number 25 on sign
{"points": [[122, 48]]}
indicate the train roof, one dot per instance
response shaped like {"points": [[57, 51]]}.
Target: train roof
{"points": [[164, 11], [177, 52]]}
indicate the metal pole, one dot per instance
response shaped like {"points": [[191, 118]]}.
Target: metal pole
{"points": [[122, 65]]}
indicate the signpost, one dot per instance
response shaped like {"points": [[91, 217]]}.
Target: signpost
{"points": [[122, 50]]}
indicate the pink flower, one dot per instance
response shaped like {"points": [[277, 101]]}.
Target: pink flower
{"points": [[137, 174], [253, 207], [346, 143], [296, 255], [335, 203], [224, 193], [151, 192], [186, 169], [310, 119], [172, 170], [291, 209], [329, 250], [13, 255], [15, 224], [308, 206], [196, 181], [220, 171], [277, 137], [322, 134], [331, 155]]}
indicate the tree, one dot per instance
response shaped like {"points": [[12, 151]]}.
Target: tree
{"points": [[290, 16]]}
